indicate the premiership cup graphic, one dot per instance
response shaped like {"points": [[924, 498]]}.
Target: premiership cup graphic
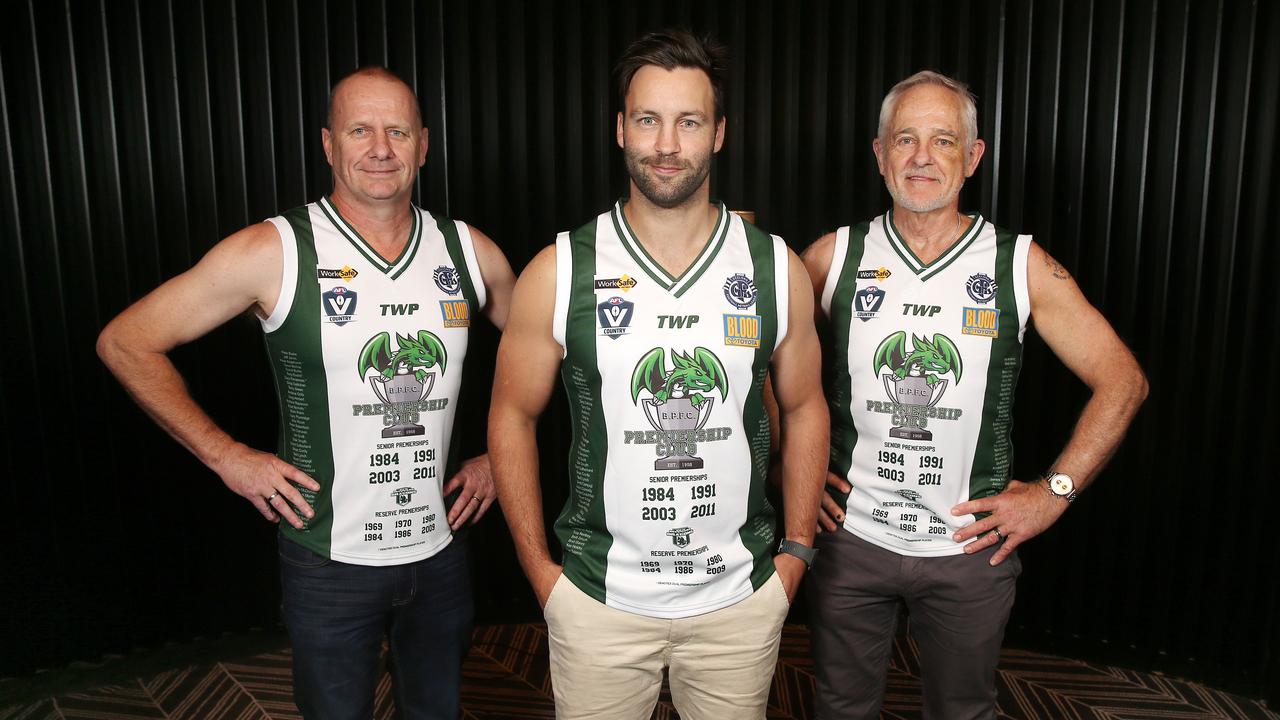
{"points": [[677, 407], [401, 377], [675, 415], [914, 383]]}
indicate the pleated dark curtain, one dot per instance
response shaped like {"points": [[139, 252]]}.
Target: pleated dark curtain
{"points": [[1136, 139]]}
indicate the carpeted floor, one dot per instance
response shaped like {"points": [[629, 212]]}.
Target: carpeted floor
{"points": [[506, 677]]}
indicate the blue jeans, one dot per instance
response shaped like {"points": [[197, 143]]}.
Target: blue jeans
{"points": [[338, 614]]}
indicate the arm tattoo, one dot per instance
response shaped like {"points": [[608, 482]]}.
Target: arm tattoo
{"points": [[1056, 267]]}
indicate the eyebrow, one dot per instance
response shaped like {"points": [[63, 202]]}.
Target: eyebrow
{"points": [[935, 131], [684, 113]]}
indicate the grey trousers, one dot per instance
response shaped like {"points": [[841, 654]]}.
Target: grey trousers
{"points": [[958, 606]]}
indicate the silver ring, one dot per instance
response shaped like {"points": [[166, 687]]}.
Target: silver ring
{"points": [[271, 497], [998, 534]]}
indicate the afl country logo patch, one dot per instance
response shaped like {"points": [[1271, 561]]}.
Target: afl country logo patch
{"points": [[867, 302], [740, 291], [339, 305], [615, 316], [981, 287], [447, 280]]}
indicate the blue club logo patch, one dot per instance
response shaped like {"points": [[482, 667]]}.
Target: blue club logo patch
{"points": [[981, 287], [740, 291], [447, 280]]}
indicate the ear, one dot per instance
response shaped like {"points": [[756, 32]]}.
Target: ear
{"points": [[975, 156], [326, 138], [720, 126], [422, 152], [618, 133], [878, 149]]}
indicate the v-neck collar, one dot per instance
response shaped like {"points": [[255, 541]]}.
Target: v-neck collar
{"points": [[927, 270], [392, 268], [672, 284]]}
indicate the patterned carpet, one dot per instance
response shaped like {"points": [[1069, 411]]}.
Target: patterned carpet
{"points": [[506, 677]]}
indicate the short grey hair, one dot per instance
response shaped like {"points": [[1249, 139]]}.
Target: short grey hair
{"points": [[968, 102]]}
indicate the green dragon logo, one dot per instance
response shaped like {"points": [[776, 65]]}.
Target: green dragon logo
{"points": [[928, 358], [915, 385], [680, 404], [414, 355], [401, 377], [692, 376]]}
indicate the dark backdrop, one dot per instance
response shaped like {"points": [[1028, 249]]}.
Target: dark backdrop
{"points": [[1136, 139]]}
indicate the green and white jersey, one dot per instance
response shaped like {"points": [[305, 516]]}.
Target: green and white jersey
{"points": [[924, 363], [666, 515], [368, 357]]}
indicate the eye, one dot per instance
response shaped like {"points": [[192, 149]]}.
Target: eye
{"points": [[360, 131], [396, 133], [647, 120], [905, 140], [690, 124], [945, 142]]}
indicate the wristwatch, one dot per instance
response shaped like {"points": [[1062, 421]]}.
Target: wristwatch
{"points": [[804, 552], [1061, 485]]}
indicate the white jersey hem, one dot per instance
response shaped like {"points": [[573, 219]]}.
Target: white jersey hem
{"points": [[879, 541], [666, 612], [384, 561]]}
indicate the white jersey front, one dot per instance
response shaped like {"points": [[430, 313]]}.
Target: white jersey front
{"points": [[925, 360], [666, 515], [368, 357]]}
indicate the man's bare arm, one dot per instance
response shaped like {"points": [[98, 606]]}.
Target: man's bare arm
{"points": [[528, 358], [499, 280], [474, 480], [806, 427], [1086, 343], [241, 272], [817, 262]]}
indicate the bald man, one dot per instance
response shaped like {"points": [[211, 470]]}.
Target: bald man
{"points": [[366, 302]]}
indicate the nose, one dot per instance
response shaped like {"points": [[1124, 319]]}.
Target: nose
{"points": [[921, 155], [668, 140], [381, 148]]}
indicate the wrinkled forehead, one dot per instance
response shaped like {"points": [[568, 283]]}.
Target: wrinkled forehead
{"points": [[928, 107]]}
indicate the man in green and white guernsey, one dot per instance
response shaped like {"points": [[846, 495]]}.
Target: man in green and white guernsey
{"points": [[927, 308], [365, 301], [663, 316]]}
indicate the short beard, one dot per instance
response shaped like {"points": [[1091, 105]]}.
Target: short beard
{"points": [[666, 195], [918, 207]]}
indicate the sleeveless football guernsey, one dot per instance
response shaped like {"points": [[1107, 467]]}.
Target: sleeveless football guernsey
{"points": [[666, 515], [924, 363], [367, 355]]}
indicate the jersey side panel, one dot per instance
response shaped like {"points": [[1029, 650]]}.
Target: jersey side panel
{"points": [[294, 350], [993, 455], [581, 526], [758, 534]]}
